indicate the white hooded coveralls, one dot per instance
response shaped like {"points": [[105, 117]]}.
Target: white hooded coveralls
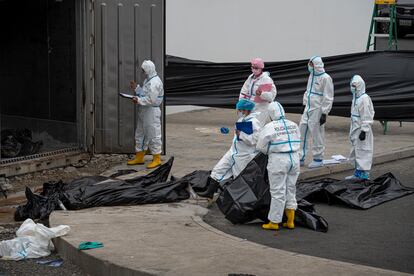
{"points": [[241, 152], [318, 99], [249, 90], [150, 97], [362, 117], [280, 140]]}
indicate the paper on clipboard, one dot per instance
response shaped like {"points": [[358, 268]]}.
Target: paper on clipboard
{"points": [[128, 96], [264, 88]]}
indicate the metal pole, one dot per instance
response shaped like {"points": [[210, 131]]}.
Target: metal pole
{"points": [[374, 12], [164, 128], [395, 28]]}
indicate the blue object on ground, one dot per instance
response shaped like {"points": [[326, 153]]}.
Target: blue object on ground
{"points": [[224, 130], [53, 263], [90, 245]]}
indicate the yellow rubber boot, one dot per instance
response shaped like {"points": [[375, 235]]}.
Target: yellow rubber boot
{"points": [[290, 214], [138, 160], [271, 226], [156, 161]]}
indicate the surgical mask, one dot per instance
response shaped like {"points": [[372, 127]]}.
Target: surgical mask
{"points": [[240, 114], [256, 71], [353, 89], [310, 69]]}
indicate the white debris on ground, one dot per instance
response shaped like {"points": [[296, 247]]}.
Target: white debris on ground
{"points": [[34, 240]]}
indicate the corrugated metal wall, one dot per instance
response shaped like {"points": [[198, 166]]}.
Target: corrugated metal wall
{"points": [[126, 33]]}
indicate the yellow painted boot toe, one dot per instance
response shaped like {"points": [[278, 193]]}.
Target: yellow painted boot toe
{"points": [[156, 161], [290, 223], [138, 160], [271, 226]]}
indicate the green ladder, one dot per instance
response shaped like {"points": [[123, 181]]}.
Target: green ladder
{"points": [[392, 33], [391, 20]]}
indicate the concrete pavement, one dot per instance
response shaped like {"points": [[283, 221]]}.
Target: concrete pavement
{"points": [[172, 239], [194, 139]]}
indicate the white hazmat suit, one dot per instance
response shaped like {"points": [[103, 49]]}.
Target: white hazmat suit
{"points": [[150, 97], [362, 117], [241, 152], [280, 140], [248, 92], [317, 100]]}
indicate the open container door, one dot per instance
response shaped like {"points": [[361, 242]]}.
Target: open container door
{"points": [[126, 33]]}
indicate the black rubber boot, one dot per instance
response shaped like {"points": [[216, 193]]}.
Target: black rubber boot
{"points": [[212, 187]]}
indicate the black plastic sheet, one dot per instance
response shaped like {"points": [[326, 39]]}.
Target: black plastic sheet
{"points": [[123, 172], [388, 76], [37, 206], [363, 194], [247, 197], [18, 142], [95, 191]]}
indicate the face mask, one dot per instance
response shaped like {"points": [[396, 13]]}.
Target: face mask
{"points": [[256, 71], [240, 114], [310, 69], [353, 89]]}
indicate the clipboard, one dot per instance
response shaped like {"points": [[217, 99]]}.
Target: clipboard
{"points": [[127, 96], [246, 127]]}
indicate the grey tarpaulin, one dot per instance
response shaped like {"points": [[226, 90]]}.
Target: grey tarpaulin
{"points": [[388, 75]]}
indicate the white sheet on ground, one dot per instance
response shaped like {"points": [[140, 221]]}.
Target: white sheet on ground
{"points": [[339, 157], [336, 159]]}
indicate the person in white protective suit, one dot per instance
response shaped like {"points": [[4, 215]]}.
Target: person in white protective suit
{"points": [[259, 88], [317, 103], [241, 152], [280, 140], [148, 131], [360, 133]]}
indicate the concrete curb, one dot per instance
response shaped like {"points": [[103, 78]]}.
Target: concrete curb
{"points": [[380, 159], [306, 174]]}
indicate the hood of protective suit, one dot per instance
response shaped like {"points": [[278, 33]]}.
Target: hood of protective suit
{"points": [[359, 83], [258, 62], [244, 104], [318, 65], [276, 111], [149, 68]]}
